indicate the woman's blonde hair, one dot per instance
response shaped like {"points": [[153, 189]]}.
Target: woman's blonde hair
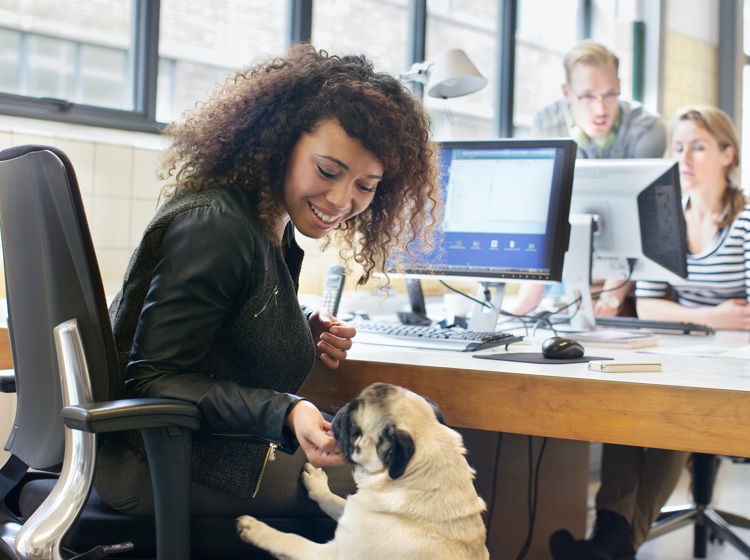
{"points": [[718, 124]]}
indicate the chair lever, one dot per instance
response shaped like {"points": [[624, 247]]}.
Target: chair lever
{"points": [[104, 550]]}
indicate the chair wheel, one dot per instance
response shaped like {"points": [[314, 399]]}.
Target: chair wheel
{"points": [[713, 538]]}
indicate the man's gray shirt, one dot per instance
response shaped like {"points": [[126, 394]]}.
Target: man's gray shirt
{"points": [[641, 134]]}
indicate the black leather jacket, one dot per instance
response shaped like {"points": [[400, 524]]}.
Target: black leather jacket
{"points": [[218, 325]]}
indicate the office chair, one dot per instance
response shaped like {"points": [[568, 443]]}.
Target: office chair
{"points": [[709, 522], [66, 381]]}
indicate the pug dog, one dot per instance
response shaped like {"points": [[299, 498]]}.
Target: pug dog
{"points": [[415, 494]]}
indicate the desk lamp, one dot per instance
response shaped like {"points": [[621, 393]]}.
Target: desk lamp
{"points": [[450, 74]]}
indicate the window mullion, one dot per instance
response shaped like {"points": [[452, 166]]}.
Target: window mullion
{"points": [[145, 59], [506, 64], [299, 21]]}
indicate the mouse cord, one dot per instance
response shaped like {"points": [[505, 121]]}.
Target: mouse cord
{"points": [[487, 296], [533, 493], [576, 302]]}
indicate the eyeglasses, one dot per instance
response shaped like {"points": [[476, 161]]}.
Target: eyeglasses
{"points": [[590, 98]]}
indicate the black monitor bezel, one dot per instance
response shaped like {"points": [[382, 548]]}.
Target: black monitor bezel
{"points": [[560, 228]]}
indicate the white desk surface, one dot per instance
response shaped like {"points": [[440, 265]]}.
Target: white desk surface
{"points": [[683, 370], [694, 403]]}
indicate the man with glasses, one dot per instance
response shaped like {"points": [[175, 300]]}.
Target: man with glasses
{"points": [[592, 113], [604, 127], [635, 482]]}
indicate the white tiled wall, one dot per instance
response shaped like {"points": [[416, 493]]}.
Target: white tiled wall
{"points": [[117, 177]]}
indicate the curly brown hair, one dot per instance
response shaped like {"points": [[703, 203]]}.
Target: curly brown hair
{"points": [[245, 132]]}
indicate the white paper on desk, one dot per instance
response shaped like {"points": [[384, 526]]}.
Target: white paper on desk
{"points": [[698, 351], [743, 353]]}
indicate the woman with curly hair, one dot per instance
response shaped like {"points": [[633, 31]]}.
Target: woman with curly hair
{"points": [[208, 311]]}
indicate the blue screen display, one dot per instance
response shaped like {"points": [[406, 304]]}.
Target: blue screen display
{"points": [[501, 210]]}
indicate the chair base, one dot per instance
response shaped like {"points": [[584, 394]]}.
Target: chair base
{"points": [[708, 522], [212, 537]]}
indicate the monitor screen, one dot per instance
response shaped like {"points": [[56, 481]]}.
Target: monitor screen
{"points": [[506, 205], [627, 224], [639, 223]]}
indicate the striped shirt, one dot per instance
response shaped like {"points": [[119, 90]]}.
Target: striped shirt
{"points": [[719, 273]]}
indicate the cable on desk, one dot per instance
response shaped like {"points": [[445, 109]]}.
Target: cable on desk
{"points": [[493, 493], [533, 493], [487, 295], [577, 301]]}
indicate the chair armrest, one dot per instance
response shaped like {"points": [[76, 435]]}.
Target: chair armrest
{"points": [[131, 414], [7, 381]]}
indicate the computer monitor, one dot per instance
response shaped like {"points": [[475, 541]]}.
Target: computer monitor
{"points": [[506, 205], [638, 227]]}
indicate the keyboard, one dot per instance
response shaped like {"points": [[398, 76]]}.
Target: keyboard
{"points": [[665, 326], [435, 338]]}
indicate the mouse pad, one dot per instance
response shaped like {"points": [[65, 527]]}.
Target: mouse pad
{"points": [[536, 358]]}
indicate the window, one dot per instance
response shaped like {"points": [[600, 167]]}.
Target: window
{"points": [[80, 56], [93, 61], [108, 63], [377, 28], [541, 44], [195, 57], [10, 60], [470, 25]]}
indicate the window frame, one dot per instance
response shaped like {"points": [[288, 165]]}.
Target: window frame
{"points": [[145, 65], [144, 72]]}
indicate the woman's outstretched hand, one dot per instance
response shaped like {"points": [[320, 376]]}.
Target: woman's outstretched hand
{"points": [[314, 435]]}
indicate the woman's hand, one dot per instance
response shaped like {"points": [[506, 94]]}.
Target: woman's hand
{"points": [[332, 337], [314, 435], [733, 315], [605, 309]]}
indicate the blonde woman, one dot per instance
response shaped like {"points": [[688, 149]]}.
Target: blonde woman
{"points": [[718, 226], [636, 481]]}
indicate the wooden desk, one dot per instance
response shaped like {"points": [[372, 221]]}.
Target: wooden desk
{"points": [[6, 358], [694, 404]]}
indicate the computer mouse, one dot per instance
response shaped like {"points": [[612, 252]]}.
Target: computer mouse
{"points": [[560, 348]]}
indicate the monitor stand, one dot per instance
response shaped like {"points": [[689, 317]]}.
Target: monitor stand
{"points": [[484, 318], [577, 274], [418, 313]]}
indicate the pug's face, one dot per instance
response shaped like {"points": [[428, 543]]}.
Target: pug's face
{"points": [[380, 429]]}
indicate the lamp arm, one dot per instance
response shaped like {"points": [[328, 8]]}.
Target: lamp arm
{"points": [[419, 72]]}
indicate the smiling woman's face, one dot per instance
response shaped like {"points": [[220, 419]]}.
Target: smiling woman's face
{"points": [[331, 177]]}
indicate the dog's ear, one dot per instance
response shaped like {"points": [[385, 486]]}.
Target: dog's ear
{"points": [[400, 452], [438, 414]]}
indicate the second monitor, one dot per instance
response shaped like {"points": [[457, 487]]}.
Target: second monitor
{"points": [[637, 227]]}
